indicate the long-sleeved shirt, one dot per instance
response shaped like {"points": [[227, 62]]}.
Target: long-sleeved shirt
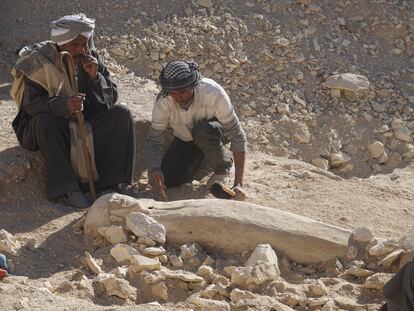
{"points": [[210, 101], [100, 95]]}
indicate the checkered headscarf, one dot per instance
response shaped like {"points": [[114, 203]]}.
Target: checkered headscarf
{"points": [[178, 74]]}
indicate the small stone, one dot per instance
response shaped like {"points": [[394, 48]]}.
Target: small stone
{"points": [[160, 290], [352, 252], [140, 263], [204, 271], [113, 234], [347, 81], [390, 259], [376, 149], [403, 133], [8, 243], [190, 250], [377, 281], [238, 294], [176, 261], [362, 234], [122, 252], [92, 264], [339, 158], [359, 272], [346, 303], [317, 289], [377, 107], [120, 288], [382, 248], [201, 304], [183, 275], [321, 163], [154, 251], [205, 3]]}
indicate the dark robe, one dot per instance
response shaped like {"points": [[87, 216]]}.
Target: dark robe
{"points": [[42, 124], [399, 291]]}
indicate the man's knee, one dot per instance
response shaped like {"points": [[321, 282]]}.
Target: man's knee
{"points": [[206, 131], [121, 112]]}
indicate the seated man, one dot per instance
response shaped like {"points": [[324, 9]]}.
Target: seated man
{"points": [[203, 119], [46, 121]]}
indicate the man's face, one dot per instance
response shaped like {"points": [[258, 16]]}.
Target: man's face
{"points": [[78, 47], [182, 96]]}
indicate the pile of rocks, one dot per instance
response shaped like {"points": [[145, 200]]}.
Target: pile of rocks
{"points": [[286, 80], [136, 265]]}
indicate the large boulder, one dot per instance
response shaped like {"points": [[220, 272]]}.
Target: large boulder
{"points": [[229, 226]]}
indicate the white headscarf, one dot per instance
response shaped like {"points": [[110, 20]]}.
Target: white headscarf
{"points": [[69, 27]]}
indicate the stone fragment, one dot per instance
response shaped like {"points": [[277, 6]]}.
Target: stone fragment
{"points": [[352, 252], [176, 261], [321, 163], [8, 243], [377, 281], [183, 275], [317, 289], [190, 250], [347, 81], [302, 135], [391, 258], [340, 158], [237, 294], [403, 133], [160, 290], [283, 108], [204, 271], [92, 264], [113, 234], [202, 304], [277, 306], [359, 272], [346, 303], [120, 288], [376, 149], [146, 227], [378, 107], [205, 3], [154, 251], [146, 241], [362, 234], [122, 252], [140, 263], [382, 247]]}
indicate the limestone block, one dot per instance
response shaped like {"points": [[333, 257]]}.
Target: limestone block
{"points": [[391, 258], [233, 227], [160, 290], [113, 234], [144, 226], [359, 272], [122, 252]]}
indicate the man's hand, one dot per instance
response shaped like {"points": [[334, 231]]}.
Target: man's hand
{"points": [[90, 65], [75, 103]]}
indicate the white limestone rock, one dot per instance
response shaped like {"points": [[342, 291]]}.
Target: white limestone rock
{"points": [[391, 258], [176, 261], [122, 252], [144, 226], [154, 251], [190, 250], [347, 81], [113, 234], [359, 272], [317, 289], [120, 288], [140, 263], [205, 3], [183, 275], [339, 159], [8, 243], [263, 253], [238, 294]]}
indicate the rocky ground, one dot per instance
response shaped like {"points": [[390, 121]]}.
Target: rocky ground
{"points": [[325, 93]]}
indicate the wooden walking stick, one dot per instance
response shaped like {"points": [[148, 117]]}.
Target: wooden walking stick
{"points": [[70, 65]]}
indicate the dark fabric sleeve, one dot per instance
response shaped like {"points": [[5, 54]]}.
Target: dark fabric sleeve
{"points": [[99, 92], [36, 100]]}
